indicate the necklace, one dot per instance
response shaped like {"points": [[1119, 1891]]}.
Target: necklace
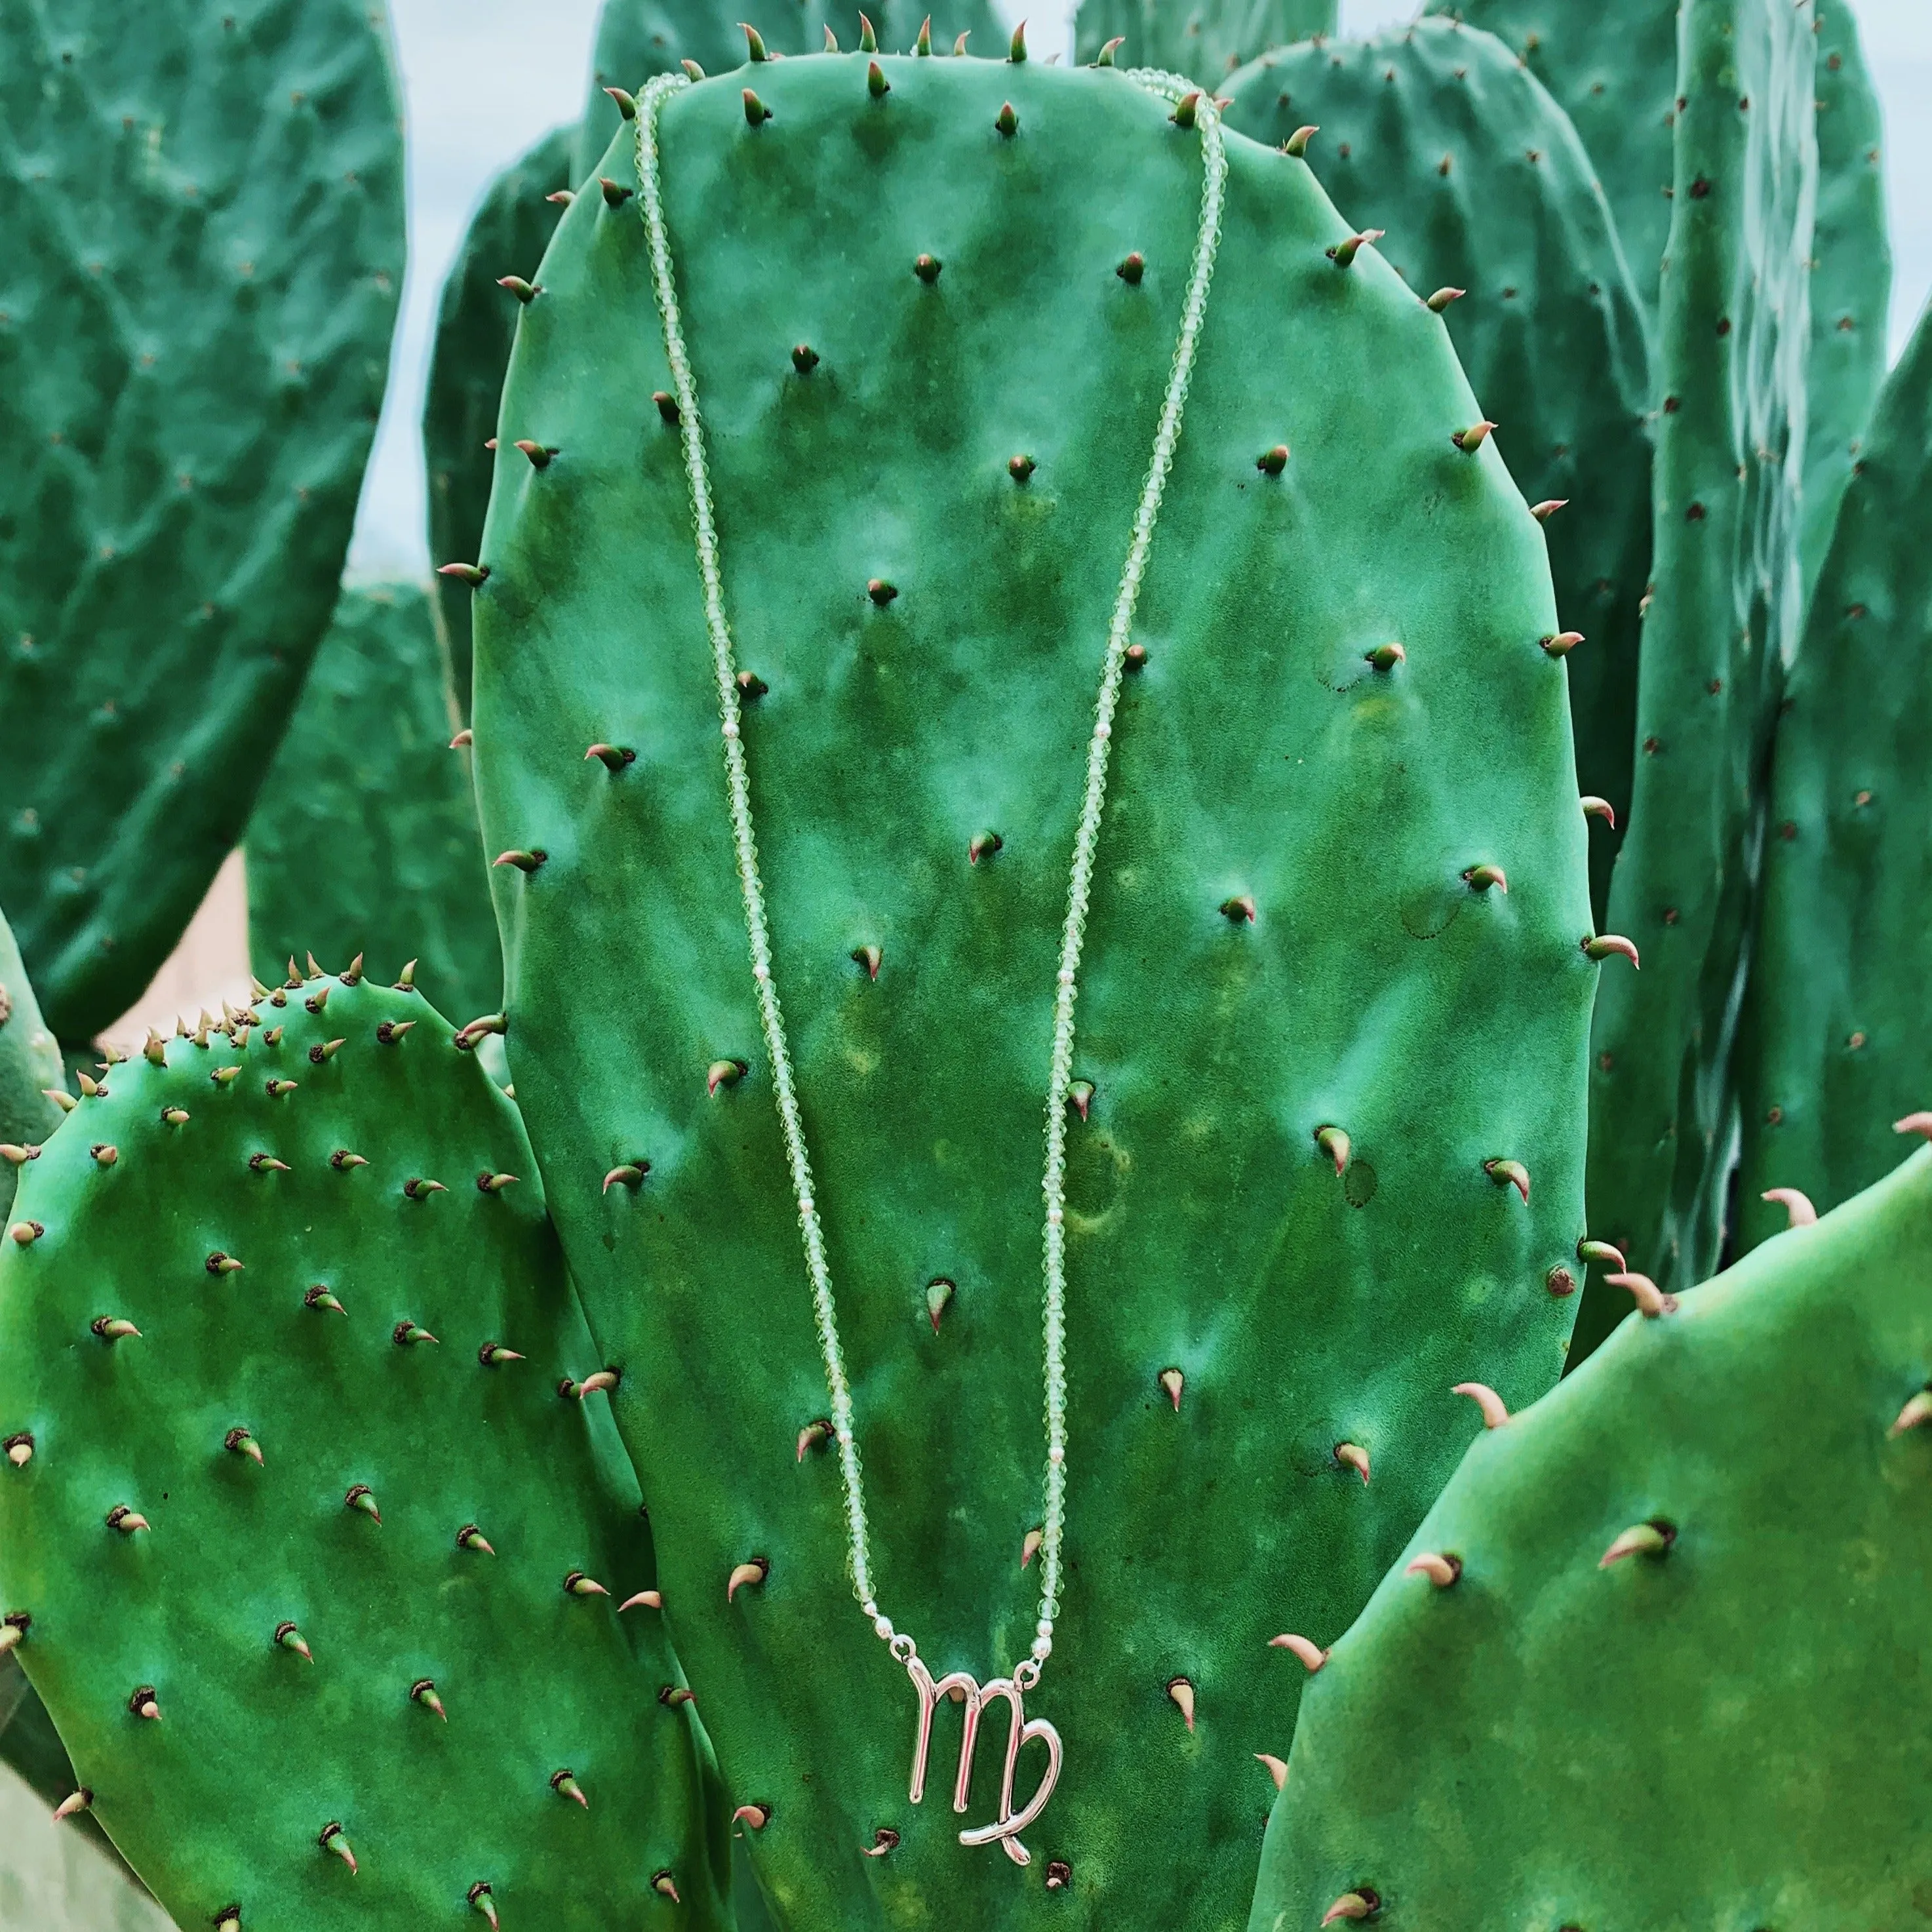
{"points": [[1008, 1822]]}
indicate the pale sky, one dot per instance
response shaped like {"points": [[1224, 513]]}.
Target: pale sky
{"points": [[485, 78]]}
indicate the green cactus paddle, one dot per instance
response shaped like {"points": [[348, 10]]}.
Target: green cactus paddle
{"points": [[203, 206], [364, 839], [1655, 1658], [321, 1546], [1613, 68], [1333, 989], [1722, 625]]}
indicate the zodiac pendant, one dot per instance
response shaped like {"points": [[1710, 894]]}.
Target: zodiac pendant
{"points": [[1009, 1824]]}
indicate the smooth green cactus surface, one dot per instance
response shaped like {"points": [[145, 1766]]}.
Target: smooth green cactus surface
{"points": [[203, 206], [1670, 1673], [1851, 276], [1440, 136], [322, 1586], [364, 839], [1724, 617], [1613, 68], [30, 1064], [1341, 886], [1836, 1044], [638, 38], [1207, 39], [475, 324]]}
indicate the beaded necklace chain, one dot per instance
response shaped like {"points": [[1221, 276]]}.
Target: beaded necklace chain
{"points": [[1006, 1828]]}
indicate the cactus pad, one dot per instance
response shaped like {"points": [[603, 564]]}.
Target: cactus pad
{"points": [[1613, 71], [1851, 277], [203, 207], [1440, 136], [364, 839], [1835, 1045], [475, 324], [30, 1063], [1723, 621], [1675, 1677], [1209, 40], [1333, 998], [307, 1556]]}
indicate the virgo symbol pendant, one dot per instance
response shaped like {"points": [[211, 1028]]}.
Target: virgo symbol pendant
{"points": [[1009, 1824]]}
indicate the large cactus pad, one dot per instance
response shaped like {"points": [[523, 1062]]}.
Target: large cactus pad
{"points": [[1666, 1669], [298, 1556], [1331, 1004], [203, 209]]}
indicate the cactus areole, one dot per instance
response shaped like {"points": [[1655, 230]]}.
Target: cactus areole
{"points": [[879, 680]]}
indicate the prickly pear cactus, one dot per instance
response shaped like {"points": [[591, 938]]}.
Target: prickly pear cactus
{"points": [[1653, 1659], [30, 1066], [204, 210], [1835, 1045], [1724, 613], [314, 1532], [1613, 69], [638, 38], [1439, 135], [475, 324], [1851, 276], [1333, 995], [1208, 39], [365, 839]]}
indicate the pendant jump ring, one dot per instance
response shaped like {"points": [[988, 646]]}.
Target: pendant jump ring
{"points": [[1026, 1674], [911, 1651]]}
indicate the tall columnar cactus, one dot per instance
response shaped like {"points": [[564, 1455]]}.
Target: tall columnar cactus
{"points": [[203, 206], [1322, 1112], [474, 327], [364, 837], [638, 38], [1208, 38], [1835, 1044], [1613, 68], [1439, 135], [1655, 1657], [1851, 276], [314, 1532], [1724, 614]]}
